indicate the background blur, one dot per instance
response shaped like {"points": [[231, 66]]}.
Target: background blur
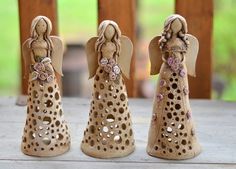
{"points": [[78, 22]]}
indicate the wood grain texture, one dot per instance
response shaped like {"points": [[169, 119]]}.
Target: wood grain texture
{"points": [[39, 164], [215, 124], [199, 16], [28, 10], [123, 13]]}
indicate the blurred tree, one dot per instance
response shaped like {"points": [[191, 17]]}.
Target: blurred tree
{"points": [[225, 47]]}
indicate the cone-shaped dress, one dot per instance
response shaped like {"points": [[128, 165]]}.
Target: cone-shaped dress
{"points": [[172, 134], [45, 132], [109, 130]]}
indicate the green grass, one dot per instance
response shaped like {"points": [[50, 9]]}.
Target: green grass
{"points": [[78, 22]]}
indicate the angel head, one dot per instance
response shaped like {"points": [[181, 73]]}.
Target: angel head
{"points": [[108, 31], [41, 26], [174, 26]]}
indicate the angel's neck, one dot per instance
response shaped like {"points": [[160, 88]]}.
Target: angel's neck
{"points": [[40, 37], [174, 36], [108, 40]]}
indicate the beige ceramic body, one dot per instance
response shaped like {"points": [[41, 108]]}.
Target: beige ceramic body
{"points": [[172, 133], [45, 132], [160, 146], [109, 131]]}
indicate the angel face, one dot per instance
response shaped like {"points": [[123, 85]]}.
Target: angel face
{"points": [[176, 26], [41, 27], [109, 32]]}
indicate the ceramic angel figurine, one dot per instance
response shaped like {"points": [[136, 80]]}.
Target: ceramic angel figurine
{"points": [[45, 132], [172, 134], [109, 131]]}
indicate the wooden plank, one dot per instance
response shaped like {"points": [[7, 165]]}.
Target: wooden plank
{"points": [[39, 164], [141, 110], [28, 9], [123, 13], [215, 122], [10, 146], [199, 16]]}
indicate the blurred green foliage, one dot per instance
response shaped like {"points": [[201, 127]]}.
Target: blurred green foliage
{"points": [[78, 22], [225, 46], [9, 48], [77, 19], [151, 15]]}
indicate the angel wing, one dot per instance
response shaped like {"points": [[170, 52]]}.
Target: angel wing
{"points": [[125, 56], [155, 55], [191, 54], [92, 56], [26, 58], [57, 54]]}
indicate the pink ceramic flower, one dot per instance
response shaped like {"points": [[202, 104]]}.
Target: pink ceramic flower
{"points": [[43, 76], [181, 66], [103, 61], [162, 83], [34, 75], [154, 117], [112, 76], [175, 67], [49, 78], [192, 132], [182, 73], [174, 63], [49, 69], [46, 61], [186, 91], [112, 61], [159, 97], [108, 68], [170, 61], [39, 67], [188, 114], [116, 69]]}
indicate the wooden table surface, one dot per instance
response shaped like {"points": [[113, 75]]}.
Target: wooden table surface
{"points": [[215, 124]]}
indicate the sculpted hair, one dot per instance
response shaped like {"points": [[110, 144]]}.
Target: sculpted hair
{"points": [[34, 35], [167, 32], [102, 39]]}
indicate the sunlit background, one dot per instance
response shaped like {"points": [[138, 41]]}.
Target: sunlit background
{"points": [[78, 22]]}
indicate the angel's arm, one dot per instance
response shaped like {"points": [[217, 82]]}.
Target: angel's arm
{"points": [[32, 58]]}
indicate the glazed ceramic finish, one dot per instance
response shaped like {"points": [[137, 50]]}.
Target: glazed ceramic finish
{"points": [[109, 131], [172, 133], [45, 132]]}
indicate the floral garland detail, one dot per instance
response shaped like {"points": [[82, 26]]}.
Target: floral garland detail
{"points": [[42, 71], [175, 65], [111, 67]]}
